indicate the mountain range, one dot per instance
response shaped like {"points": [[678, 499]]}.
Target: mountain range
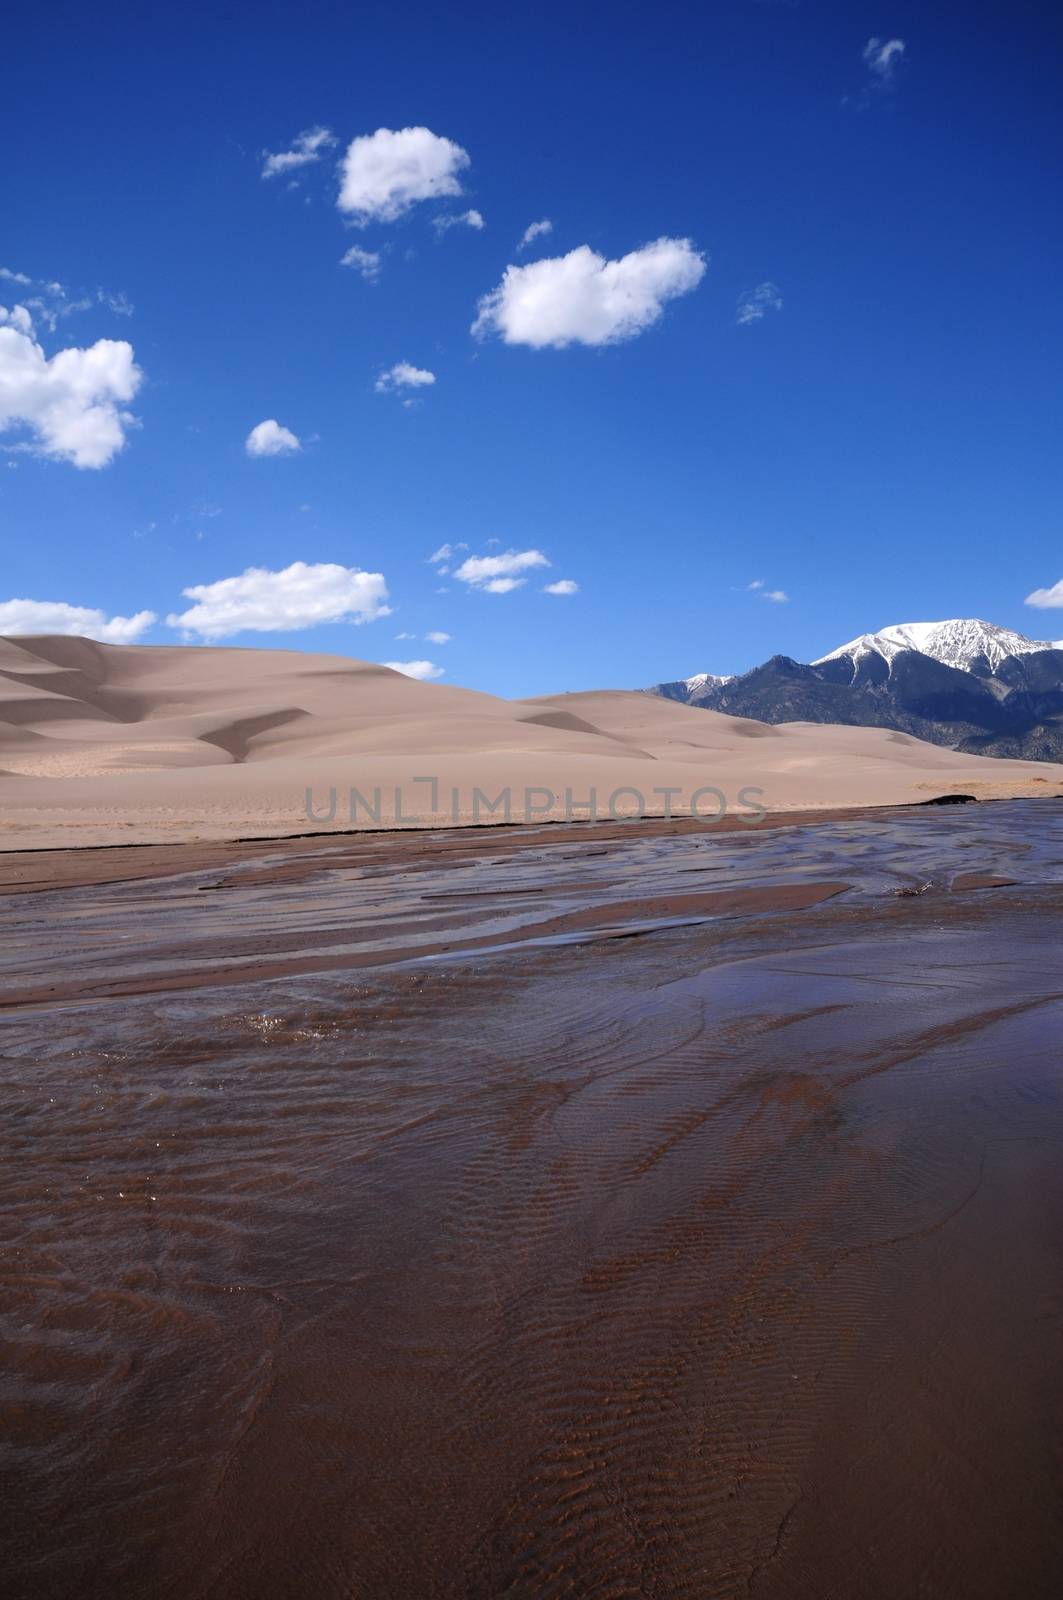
{"points": [[963, 683]]}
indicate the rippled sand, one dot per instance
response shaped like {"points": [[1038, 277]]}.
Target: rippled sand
{"points": [[616, 1212]]}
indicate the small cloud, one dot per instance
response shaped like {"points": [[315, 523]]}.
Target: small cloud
{"points": [[387, 172], [500, 574], [56, 616], [467, 219], [416, 669], [882, 56], [300, 596], [270, 439], [305, 148], [562, 586], [403, 376], [758, 583], [405, 636], [438, 638], [535, 230], [365, 262], [446, 552], [779, 596], [582, 298], [15, 277], [756, 303], [1043, 599]]}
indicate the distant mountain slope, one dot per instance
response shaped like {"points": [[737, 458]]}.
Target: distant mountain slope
{"points": [[963, 683]]}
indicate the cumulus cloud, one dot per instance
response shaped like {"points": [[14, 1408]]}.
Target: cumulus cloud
{"points": [[1047, 599], [466, 219], [55, 616], [500, 574], [756, 303], [270, 439], [779, 596], [438, 638], [367, 262], [15, 277], [305, 148], [583, 299], [403, 376], [387, 172], [73, 403], [300, 596], [416, 669], [881, 56], [562, 586], [535, 230]]}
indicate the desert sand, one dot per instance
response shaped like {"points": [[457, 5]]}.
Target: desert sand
{"points": [[104, 744]]}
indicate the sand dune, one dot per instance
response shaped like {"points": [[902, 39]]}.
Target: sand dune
{"points": [[104, 744]]}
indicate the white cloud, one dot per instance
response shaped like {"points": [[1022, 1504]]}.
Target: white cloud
{"points": [[466, 219], [305, 148], [582, 298], [367, 262], [73, 402], [1047, 599], [415, 669], [756, 303], [438, 638], [18, 318], [386, 172], [758, 583], [881, 57], [446, 551], [299, 596], [55, 616], [779, 596], [51, 302], [270, 439], [562, 586], [500, 574], [535, 230], [405, 636], [403, 376]]}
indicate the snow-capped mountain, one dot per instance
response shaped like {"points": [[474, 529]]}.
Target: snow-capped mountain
{"points": [[964, 683], [966, 643], [695, 691], [701, 680]]}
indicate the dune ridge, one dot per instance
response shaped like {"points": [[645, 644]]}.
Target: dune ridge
{"points": [[104, 744]]}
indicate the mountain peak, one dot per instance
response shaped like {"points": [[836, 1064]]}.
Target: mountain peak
{"points": [[966, 643], [704, 680]]}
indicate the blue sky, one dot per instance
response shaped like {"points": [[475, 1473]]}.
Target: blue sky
{"points": [[880, 444]]}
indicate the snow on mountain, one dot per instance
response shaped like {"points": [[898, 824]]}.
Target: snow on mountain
{"points": [[963, 642], [703, 680]]}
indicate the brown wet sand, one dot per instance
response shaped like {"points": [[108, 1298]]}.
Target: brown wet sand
{"points": [[640, 1248]]}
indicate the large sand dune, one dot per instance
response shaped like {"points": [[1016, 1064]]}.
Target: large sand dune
{"points": [[113, 744]]}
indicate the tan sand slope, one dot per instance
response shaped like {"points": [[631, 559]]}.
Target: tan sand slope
{"points": [[107, 743]]}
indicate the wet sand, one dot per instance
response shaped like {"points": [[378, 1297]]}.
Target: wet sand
{"points": [[649, 1211]]}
